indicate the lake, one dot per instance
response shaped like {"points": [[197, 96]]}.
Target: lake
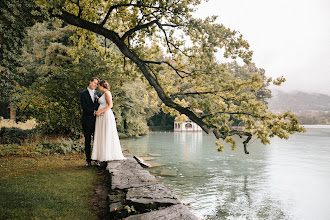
{"points": [[288, 179]]}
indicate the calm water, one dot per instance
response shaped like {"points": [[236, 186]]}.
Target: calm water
{"points": [[288, 179]]}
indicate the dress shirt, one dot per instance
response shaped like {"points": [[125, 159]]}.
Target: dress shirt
{"points": [[91, 93]]}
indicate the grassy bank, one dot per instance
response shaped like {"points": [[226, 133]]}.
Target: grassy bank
{"points": [[47, 187]]}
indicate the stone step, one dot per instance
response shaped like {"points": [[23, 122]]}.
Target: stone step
{"points": [[150, 197], [175, 212], [136, 194]]}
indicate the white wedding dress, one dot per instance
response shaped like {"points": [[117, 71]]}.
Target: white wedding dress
{"points": [[106, 145]]}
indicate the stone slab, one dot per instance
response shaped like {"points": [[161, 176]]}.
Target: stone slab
{"points": [[151, 197], [142, 162], [168, 172], [175, 212], [134, 187], [130, 163], [128, 174]]}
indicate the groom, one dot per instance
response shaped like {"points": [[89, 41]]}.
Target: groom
{"points": [[89, 104]]}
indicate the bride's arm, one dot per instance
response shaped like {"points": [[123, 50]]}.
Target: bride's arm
{"points": [[109, 102]]}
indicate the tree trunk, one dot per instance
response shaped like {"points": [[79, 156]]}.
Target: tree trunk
{"points": [[12, 113]]}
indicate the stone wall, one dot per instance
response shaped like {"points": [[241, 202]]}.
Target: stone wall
{"points": [[135, 194]]}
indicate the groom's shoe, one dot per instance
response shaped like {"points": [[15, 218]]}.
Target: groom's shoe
{"points": [[88, 164]]}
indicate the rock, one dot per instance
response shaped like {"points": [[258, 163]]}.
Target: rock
{"points": [[134, 190], [175, 212], [147, 158], [155, 164], [150, 197], [167, 172], [142, 162], [131, 178], [155, 155]]}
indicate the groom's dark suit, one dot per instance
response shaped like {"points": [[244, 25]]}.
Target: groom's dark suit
{"points": [[88, 119]]}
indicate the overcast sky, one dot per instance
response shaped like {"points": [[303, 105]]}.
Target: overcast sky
{"points": [[289, 38]]}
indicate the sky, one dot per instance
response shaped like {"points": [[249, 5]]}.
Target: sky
{"points": [[289, 38]]}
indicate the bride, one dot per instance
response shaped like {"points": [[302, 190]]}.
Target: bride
{"points": [[106, 145]]}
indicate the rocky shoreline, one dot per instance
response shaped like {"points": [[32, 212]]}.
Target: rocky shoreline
{"points": [[135, 194]]}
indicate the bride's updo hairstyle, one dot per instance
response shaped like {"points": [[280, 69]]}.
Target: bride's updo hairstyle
{"points": [[104, 84]]}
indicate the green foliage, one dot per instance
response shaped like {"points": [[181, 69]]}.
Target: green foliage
{"points": [[319, 119], [15, 16], [50, 82], [132, 109], [161, 121], [245, 72], [180, 66], [4, 109], [60, 146], [16, 136]]}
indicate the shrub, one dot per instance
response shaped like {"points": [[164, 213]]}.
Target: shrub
{"points": [[60, 146], [16, 135]]}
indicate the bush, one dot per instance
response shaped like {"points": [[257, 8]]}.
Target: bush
{"points": [[16, 135], [60, 146]]}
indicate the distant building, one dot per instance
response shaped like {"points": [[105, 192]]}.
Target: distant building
{"points": [[187, 125]]}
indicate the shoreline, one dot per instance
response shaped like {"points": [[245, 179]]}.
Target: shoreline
{"points": [[136, 194]]}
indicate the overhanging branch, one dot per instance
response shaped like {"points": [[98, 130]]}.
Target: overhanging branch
{"points": [[131, 31], [170, 65], [129, 5], [142, 65], [234, 113]]}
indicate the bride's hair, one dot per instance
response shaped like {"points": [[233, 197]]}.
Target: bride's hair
{"points": [[104, 84]]}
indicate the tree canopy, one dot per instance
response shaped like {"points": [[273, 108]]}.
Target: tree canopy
{"points": [[175, 54], [15, 17], [48, 83]]}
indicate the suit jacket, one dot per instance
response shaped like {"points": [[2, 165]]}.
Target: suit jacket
{"points": [[88, 106]]}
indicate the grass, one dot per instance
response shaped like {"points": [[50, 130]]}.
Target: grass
{"points": [[47, 187]]}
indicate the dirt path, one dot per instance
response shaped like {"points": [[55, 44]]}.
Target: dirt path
{"points": [[99, 200]]}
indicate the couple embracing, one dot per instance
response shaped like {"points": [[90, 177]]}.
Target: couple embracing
{"points": [[98, 120]]}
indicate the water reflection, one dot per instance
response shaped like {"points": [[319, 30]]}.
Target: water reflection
{"points": [[272, 182]]}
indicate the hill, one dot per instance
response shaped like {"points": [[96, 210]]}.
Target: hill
{"points": [[299, 102]]}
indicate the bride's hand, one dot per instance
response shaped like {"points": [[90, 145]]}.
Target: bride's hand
{"points": [[98, 113]]}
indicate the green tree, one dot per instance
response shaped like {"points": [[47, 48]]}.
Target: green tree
{"points": [[245, 72], [15, 16], [49, 82], [190, 45]]}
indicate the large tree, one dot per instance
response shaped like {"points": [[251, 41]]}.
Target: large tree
{"points": [[48, 82], [190, 47], [15, 16]]}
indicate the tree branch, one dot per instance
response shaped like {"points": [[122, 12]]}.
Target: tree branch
{"points": [[128, 5], [176, 47], [235, 113], [246, 142], [80, 9], [109, 12], [170, 65], [165, 34], [136, 28], [152, 71], [142, 65], [194, 93]]}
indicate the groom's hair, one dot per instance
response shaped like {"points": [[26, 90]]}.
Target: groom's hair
{"points": [[93, 78]]}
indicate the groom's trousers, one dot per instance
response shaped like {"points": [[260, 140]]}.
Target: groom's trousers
{"points": [[88, 132]]}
